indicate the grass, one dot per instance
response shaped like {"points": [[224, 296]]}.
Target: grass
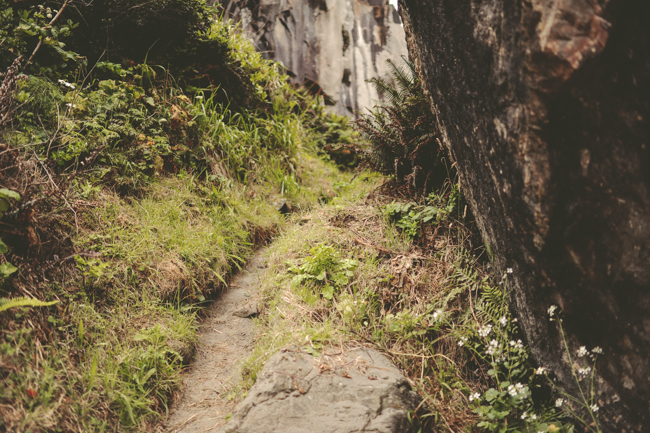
{"points": [[421, 300], [137, 202]]}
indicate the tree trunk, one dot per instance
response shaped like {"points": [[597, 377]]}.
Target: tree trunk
{"points": [[545, 107]]}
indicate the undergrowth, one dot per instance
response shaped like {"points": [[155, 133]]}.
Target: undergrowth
{"points": [[130, 192], [405, 278]]}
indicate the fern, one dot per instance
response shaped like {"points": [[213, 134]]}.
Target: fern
{"points": [[402, 132], [6, 304]]}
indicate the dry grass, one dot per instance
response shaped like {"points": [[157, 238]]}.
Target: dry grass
{"points": [[389, 304]]}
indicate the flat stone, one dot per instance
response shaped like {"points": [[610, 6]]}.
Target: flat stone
{"points": [[356, 391], [249, 309]]}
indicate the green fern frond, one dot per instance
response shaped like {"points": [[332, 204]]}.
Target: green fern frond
{"points": [[6, 304]]}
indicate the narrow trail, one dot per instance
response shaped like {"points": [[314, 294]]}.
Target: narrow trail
{"points": [[225, 336]]}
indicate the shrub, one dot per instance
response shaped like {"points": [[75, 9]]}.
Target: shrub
{"points": [[402, 133]]}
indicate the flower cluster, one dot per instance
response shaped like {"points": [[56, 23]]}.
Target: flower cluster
{"points": [[517, 344], [462, 341], [484, 331], [531, 417], [517, 390], [493, 348], [503, 321], [584, 371], [475, 396]]}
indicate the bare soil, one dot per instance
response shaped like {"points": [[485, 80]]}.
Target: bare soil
{"points": [[225, 336]]}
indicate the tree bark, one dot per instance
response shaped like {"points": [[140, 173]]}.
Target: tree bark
{"points": [[545, 108]]}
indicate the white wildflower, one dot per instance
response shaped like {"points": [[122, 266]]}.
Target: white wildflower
{"points": [[551, 310], [485, 331], [493, 348], [462, 341], [597, 350], [584, 371], [594, 408], [71, 105], [509, 270], [437, 314], [582, 351], [533, 417], [515, 320], [559, 402], [524, 415], [540, 371], [475, 396], [503, 321]]}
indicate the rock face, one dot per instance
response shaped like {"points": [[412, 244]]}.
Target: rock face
{"points": [[545, 107], [360, 391], [332, 46]]}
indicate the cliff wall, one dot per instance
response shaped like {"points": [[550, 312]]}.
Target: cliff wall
{"points": [[545, 107], [332, 46]]}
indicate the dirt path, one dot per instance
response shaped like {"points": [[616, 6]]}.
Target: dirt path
{"points": [[225, 336]]}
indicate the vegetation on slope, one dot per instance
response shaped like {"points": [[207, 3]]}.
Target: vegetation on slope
{"points": [[129, 195]]}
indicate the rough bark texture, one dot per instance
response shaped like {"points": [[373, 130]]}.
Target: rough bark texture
{"points": [[333, 46], [545, 107]]}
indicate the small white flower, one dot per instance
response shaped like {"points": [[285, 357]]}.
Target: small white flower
{"points": [[437, 314], [597, 349], [584, 371], [551, 310], [49, 16], [533, 417], [493, 348], [503, 321], [559, 402], [509, 270], [594, 408], [485, 331], [515, 320], [524, 415], [512, 391], [71, 105], [540, 371], [582, 351], [475, 396], [462, 341]]}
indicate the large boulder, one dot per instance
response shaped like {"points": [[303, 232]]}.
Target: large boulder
{"points": [[545, 107], [337, 392], [330, 46]]}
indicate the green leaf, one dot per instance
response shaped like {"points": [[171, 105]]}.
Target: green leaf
{"points": [[7, 269], [328, 292], [6, 304], [491, 394], [5, 193], [4, 249]]}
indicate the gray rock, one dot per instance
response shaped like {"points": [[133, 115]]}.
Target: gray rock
{"points": [[249, 309], [545, 109], [332, 46], [356, 391]]}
